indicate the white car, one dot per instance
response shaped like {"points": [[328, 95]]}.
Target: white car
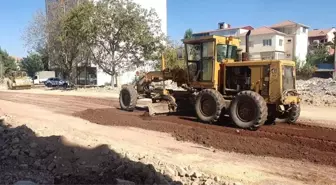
{"points": [[56, 82]]}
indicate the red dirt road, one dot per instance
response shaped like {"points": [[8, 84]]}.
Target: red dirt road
{"points": [[300, 142]]}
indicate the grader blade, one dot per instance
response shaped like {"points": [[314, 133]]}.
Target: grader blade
{"points": [[158, 108]]}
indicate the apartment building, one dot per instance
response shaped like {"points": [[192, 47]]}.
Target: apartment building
{"points": [[95, 74], [296, 46], [284, 40], [265, 43], [321, 36]]}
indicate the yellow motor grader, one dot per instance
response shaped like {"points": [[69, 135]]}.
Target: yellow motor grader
{"points": [[220, 79], [19, 80]]}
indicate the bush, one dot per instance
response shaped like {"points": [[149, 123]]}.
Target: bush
{"points": [[304, 69]]}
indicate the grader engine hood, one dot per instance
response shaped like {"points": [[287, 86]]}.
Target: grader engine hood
{"points": [[290, 97]]}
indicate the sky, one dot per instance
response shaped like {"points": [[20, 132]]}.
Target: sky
{"points": [[199, 15]]}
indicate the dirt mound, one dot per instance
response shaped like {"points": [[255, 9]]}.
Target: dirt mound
{"points": [[314, 144], [318, 91]]}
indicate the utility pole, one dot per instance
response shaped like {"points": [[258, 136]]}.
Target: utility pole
{"points": [[334, 56]]}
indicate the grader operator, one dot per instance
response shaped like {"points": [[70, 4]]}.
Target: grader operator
{"points": [[219, 79]]}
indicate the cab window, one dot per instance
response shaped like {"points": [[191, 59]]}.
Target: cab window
{"points": [[225, 51]]}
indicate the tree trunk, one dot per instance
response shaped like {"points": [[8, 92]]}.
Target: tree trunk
{"points": [[112, 80], [116, 76], [72, 76]]}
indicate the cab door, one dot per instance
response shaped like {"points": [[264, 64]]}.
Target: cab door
{"points": [[200, 59], [207, 62]]}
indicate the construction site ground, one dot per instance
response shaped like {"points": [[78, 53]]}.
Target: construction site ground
{"points": [[277, 154]]}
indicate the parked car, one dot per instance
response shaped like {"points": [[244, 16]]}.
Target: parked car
{"points": [[56, 82]]}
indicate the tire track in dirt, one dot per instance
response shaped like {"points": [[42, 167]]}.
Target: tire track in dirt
{"points": [[281, 140], [300, 142]]}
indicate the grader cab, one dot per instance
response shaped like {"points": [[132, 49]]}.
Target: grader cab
{"points": [[219, 79]]}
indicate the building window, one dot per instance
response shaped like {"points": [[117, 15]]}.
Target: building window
{"points": [[280, 42], [289, 41], [304, 30], [288, 55], [267, 42]]}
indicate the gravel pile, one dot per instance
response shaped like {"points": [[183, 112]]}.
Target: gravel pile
{"points": [[318, 91], [52, 160]]}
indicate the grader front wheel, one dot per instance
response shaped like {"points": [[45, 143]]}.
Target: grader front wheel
{"points": [[293, 114], [128, 98], [9, 85]]}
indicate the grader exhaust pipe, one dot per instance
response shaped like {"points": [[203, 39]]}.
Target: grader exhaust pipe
{"points": [[247, 47]]}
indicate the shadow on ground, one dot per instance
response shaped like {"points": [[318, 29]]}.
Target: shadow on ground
{"points": [[53, 160]]}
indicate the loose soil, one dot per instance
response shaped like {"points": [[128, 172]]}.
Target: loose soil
{"points": [[300, 142], [303, 142], [51, 115]]}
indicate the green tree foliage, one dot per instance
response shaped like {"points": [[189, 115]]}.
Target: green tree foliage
{"points": [[318, 53], [117, 35], [7, 63], [43, 53], [188, 34], [171, 58], [122, 36], [306, 70], [68, 47], [32, 64]]}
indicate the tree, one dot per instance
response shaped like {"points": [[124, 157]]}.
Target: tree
{"points": [[35, 35], [32, 64], [123, 36], [318, 53], [7, 63], [188, 34], [68, 45], [171, 55], [43, 53]]}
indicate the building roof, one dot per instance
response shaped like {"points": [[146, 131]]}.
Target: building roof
{"points": [[243, 27], [287, 23], [319, 32], [263, 31]]}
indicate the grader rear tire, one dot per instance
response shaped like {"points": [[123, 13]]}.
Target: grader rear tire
{"points": [[208, 106], [128, 98], [248, 110]]}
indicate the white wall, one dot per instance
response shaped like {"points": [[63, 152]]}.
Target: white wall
{"points": [[300, 41], [102, 77], [330, 35], [257, 48], [256, 43], [301, 44], [279, 38]]}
